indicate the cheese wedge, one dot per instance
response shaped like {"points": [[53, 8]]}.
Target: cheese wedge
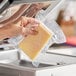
{"points": [[32, 45]]}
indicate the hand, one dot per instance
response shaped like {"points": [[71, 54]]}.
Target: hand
{"points": [[24, 26], [29, 26]]}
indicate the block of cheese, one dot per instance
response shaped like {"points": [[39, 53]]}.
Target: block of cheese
{"points": [[32, 45]]}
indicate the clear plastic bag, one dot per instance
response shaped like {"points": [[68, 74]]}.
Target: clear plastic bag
{"points": [[57, 37]]}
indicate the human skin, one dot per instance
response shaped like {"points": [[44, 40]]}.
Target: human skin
{"points": [[24, 26]]}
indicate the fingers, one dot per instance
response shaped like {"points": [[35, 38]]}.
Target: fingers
{"points": [[29, 30], [29, 26], [33, 21], [24, 21], [25, 32], [28, 20], [33, 32]]}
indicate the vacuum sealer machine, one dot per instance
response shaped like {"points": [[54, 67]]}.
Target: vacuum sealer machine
{"points": [[14, 62]]}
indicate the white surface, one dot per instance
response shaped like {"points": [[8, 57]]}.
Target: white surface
{"points": [[8, 56], [69, 70], [64, 51], [48, 58]]}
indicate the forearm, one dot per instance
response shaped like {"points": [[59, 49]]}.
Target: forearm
{"points": [[3, 35], [10, 31]]}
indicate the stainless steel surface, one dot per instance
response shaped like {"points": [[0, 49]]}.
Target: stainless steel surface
{"points": [[8, 52], [3, 5], [29, 1], [53, 59], [25, 68], [71, 51], [22, 68], [52, 11], [9, 56], [19, 66], [49, 58], [8, 72]]}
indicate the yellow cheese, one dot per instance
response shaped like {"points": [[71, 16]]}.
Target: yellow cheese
{"points": [[32, 44]]}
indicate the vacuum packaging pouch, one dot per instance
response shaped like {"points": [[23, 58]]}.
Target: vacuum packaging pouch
{"points": [[33, 44]]}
